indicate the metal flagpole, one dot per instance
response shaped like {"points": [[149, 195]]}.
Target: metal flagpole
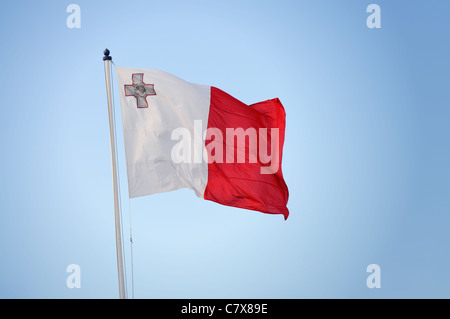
{"points": [[107, 60]]}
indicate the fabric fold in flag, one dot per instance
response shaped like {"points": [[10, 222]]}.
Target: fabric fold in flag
{"points": [[179, 134]]}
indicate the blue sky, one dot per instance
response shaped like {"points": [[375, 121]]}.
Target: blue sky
{"points": [[365, 159]]}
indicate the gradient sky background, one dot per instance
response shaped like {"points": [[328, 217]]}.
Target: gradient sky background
{"points": [[366, 156]]}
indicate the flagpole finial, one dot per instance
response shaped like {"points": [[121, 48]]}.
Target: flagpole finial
{"points": [[106, 53]]}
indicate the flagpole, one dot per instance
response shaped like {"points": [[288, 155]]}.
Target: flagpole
{"points": [[107, 59]]}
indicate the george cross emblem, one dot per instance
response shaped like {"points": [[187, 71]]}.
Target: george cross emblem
{"points": [[139, 90]]}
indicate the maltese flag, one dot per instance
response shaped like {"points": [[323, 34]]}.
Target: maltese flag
{"points": [[183, 135]]}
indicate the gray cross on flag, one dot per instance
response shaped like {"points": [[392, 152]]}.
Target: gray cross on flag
{"points": [[139, 90]]}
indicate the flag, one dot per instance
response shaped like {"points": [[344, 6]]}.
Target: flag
{"points": [[179, 134]]}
